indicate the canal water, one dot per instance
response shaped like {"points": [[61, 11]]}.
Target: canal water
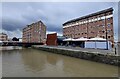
{"points": [[28, 62]]}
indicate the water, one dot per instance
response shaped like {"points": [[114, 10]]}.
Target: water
{"points": [[29, 62]]}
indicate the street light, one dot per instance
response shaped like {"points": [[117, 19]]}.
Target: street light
{"points": [[115, 45]]}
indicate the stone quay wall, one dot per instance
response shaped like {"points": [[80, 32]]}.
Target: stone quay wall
{"points": [[107, 59]]}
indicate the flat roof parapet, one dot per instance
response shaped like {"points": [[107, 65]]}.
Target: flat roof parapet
{"points": [[90, 15]]}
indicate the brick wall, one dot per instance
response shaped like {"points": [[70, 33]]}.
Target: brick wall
{"points": [[51, 39]]}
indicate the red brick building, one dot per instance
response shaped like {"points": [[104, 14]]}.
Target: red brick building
{"points": [[97, 24], [36, 32], [3, 37], [51, 39]]}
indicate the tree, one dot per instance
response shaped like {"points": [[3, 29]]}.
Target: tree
{"points": [[15, 39]]}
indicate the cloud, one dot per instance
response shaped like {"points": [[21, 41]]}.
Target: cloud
{"points": [[16, 33], [17, 15], [10, 24]]}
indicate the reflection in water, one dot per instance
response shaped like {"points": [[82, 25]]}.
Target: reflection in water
{"points": [[9, 47], [32, 60], [78, 67], [52, 59], [36, 63]]}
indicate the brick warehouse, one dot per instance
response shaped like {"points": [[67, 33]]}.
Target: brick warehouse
{"points": [[3, 37], [36, 32], [99, 24]]}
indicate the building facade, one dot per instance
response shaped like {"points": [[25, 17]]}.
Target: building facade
{"points": [[99, 24], [3, 37], [34, 33], [52, 39]]}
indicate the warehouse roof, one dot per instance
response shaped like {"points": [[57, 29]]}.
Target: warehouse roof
{"points": [[90, 15]]}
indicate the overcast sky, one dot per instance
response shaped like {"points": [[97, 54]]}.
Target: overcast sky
{"points": [[16, 15]]}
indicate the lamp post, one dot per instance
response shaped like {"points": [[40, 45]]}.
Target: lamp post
{"points": [[115, 50], [115, 46]]}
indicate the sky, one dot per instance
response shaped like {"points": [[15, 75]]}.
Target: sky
{"points": [[16, 15]]}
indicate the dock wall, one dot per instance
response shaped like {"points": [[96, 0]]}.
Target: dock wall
{"points": [[107, 59]]}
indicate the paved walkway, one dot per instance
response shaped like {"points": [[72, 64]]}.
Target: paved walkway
{"points": [[101, 51]]}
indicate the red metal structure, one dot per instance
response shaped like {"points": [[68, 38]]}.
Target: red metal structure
{"points": [[52, 39]]}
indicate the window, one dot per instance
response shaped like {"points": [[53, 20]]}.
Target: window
{"points": [[89, 20], [103, 20], [108, 36], [102, 25], [109, 31], [84, 28], [92, 32], [108, 25], [108, 19], [103, 36], [98, 25]]}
